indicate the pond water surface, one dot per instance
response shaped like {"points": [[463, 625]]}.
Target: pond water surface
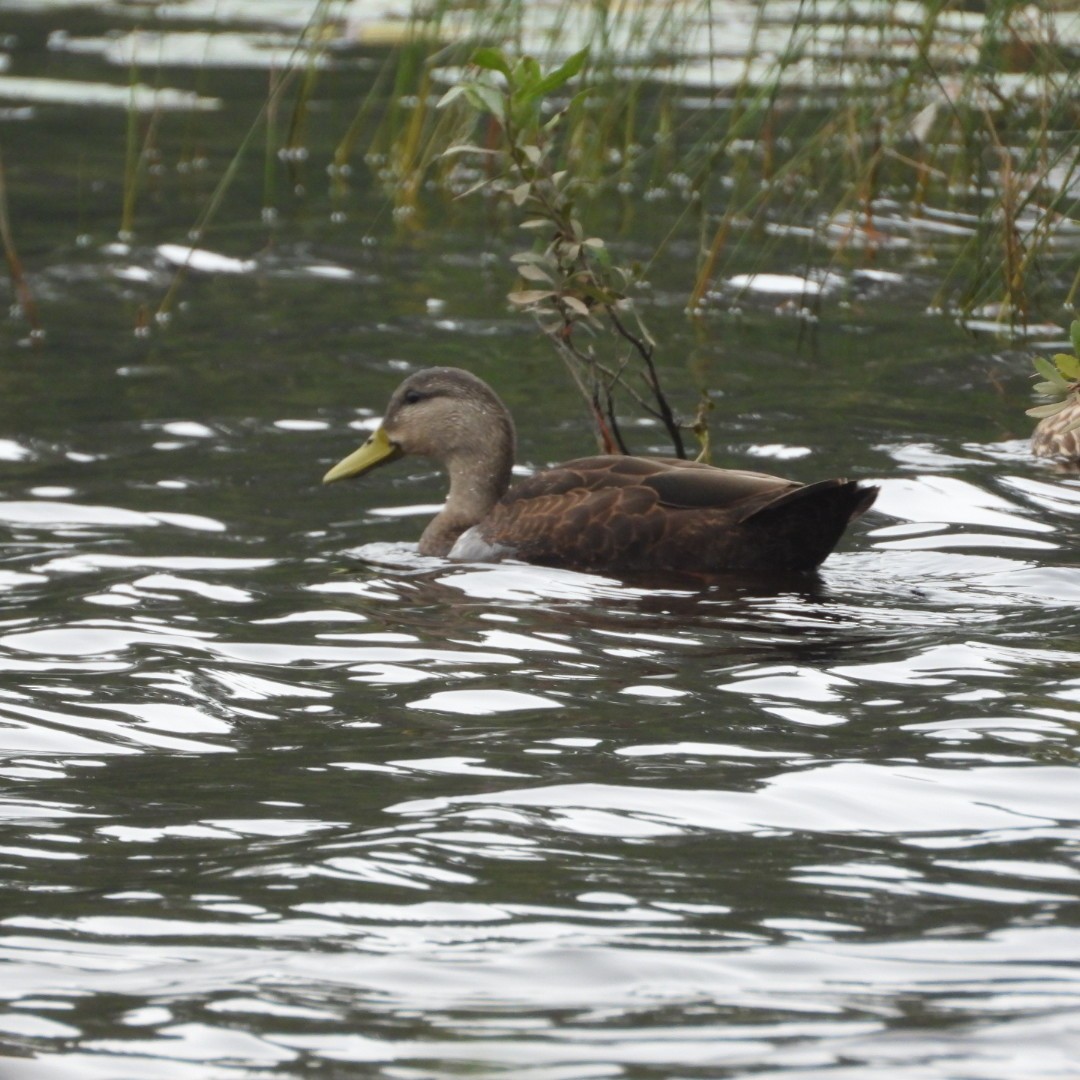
{"points": [[282, 799]]}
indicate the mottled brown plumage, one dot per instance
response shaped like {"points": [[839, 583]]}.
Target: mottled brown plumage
{"points": [[607, 513], [1051, 439]]}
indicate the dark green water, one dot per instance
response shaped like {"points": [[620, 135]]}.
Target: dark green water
{"points": [[280, 799]]}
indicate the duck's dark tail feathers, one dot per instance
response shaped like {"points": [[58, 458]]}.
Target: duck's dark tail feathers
{"points": [[801, 527]]}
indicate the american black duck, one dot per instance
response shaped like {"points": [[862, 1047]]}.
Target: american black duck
{"points": [[607, 513]]}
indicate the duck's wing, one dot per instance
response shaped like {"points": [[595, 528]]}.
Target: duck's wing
{"points": [[676, 484], [631, 514], [579, 516]]}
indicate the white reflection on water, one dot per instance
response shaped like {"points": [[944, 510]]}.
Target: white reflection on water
{"points": [[100, 94], [552, 817], [1022, 964], [480, 702], [458, 766], [845, 798], [190, 49], [949, 499], [203, 261], [703, 749]]}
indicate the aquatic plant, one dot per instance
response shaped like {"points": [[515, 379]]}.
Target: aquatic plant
{"points": [[571, 284], [837, 134], [856, 131]]}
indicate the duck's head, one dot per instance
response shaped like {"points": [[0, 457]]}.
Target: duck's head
{"points": [[442, 413]]}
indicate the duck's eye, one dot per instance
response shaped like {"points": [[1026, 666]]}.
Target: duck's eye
{"points": [[412, 397]]}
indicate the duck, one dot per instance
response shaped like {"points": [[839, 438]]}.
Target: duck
{"points": [[1052, 437], [610, 513]]}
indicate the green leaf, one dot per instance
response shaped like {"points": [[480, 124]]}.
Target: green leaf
{"points": [[536, 223], [603, 257], [1049, 372], [486, 99], [478, 186], [1069, 366], [575, 305], [580, 96], [1048, 389], [468, 148], [529, 296], [1074, 334], [491, 59], [564, 73], [530, 272], [451, 95], [553, 123], [1042, 411], [526, 76], [525, 114]]}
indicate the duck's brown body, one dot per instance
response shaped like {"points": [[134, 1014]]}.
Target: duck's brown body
{"points": [[641, 514], [614, 514]]}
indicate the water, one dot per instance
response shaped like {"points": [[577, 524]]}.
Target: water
{"points": [[282, 799]]}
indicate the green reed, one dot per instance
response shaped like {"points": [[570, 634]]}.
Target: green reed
{"points": [[836, 128], [815, 137]]}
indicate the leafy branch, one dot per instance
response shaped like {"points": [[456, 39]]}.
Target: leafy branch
{"points": [[569, 281]]}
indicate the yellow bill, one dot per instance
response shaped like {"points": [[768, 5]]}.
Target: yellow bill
{"points": [[378, 450]]}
